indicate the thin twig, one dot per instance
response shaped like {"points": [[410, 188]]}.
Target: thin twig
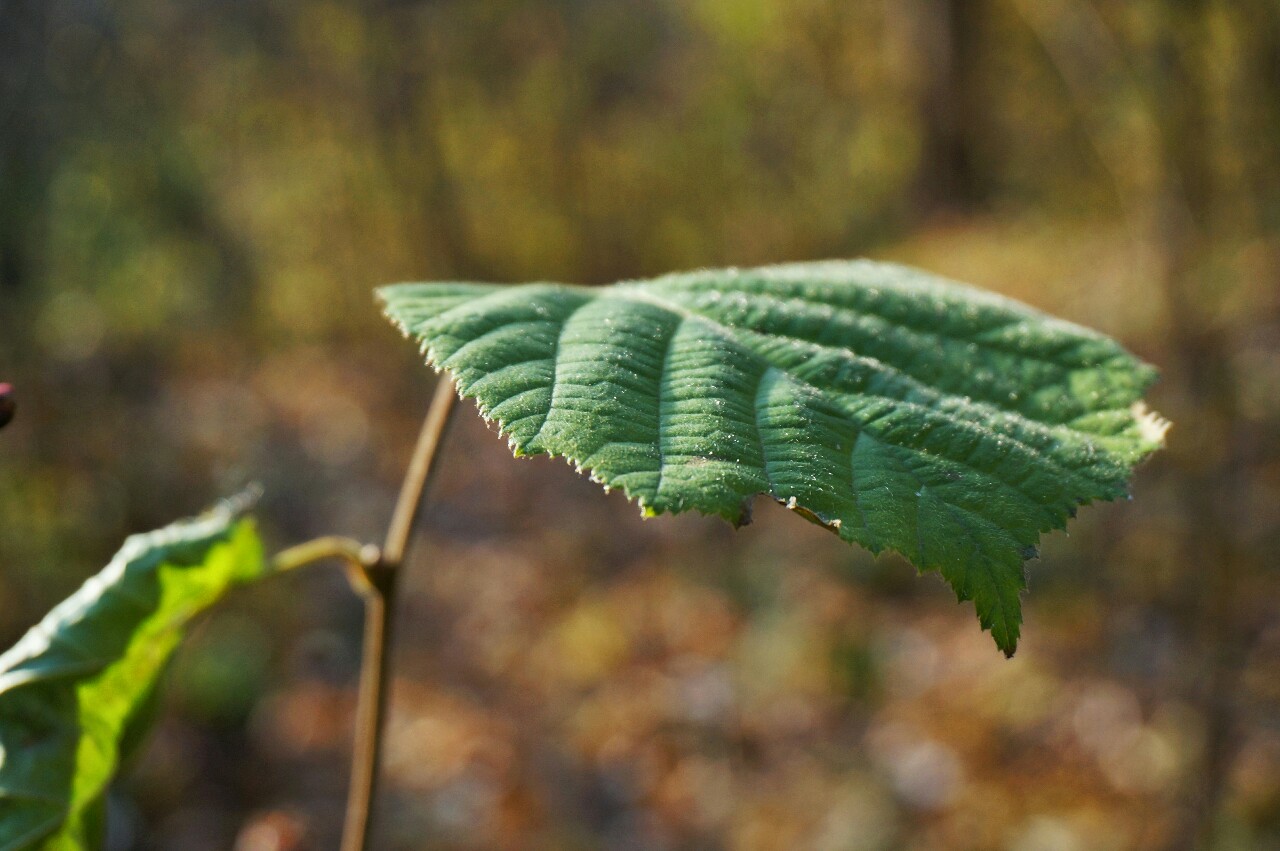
{"points": [[347, 549], [379, 595], [415, 481]]}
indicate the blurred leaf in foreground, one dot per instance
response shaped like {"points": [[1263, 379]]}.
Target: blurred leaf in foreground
{"points": [[897, 409], [74, 688]]}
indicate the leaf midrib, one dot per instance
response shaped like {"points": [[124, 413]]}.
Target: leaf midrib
{"points": [[733, 332]]}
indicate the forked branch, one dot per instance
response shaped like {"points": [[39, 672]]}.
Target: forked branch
{"points": [[378, 589]]}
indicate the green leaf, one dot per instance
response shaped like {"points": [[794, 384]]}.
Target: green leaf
{"points": [[73, 688], [898, 409]]}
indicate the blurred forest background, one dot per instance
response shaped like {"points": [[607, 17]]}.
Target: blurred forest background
{"points": [[196, 200]]}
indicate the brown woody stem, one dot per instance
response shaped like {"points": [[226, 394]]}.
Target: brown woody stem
{"points": [[378, 587]]}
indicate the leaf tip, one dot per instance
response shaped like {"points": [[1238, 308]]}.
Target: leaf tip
{"points": [[1151, 426], [1006, 637], [240, 504]]}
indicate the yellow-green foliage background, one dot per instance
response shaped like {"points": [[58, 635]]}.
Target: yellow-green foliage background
{"points": [[196, 200]]}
